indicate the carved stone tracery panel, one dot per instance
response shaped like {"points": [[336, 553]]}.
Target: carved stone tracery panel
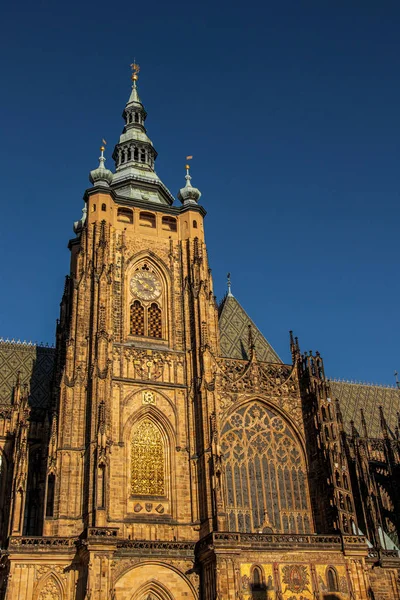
{"points": [[50, 590]]}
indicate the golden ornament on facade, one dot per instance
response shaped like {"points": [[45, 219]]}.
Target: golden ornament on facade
{"points": [[148, 471], [145, 285], [148, 397], [135, 71]]}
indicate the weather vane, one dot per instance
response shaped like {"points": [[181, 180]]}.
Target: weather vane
{"points": [[187, 166], [135, 71]]}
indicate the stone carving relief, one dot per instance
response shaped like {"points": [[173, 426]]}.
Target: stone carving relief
{"points": [[234, 378], [50, 590], [44, 569], [134, 363], [242, 376], [186, 567], [245, 582], [148, 397]]}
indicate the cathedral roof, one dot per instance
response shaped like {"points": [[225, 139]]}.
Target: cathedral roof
{"points": [[234, 333], [354, 396], [35, 365]]}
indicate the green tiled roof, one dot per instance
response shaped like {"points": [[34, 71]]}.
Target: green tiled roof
{"points": [[35, 364], [234, 333], [354, 396]]}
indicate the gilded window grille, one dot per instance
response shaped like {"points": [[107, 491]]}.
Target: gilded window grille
{"points": [[137, 318], [148, 460], [154, 321], [265, 473]]}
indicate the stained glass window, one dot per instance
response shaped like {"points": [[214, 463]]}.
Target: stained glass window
{"points": [[148, 467], [265, 473]]}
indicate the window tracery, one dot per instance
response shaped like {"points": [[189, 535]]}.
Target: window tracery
{"points": [[146, 308], [50, 590], [147, 460], [265, 473]]}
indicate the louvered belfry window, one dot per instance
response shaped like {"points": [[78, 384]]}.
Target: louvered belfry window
{"points": [[137, 318], [154, 324]]}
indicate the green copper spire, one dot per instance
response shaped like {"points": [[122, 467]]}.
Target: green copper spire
{"points": [[101, 176], [189, 194], [134, 97], [134, 155]]}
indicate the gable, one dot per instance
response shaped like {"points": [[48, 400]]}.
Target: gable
{"points": [[234, 334]]}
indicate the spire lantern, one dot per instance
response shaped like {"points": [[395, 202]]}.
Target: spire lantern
{"points": [[134, 155], [189, 194]]}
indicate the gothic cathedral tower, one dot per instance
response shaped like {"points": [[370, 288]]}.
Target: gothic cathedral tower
{"points": [[137, 309], [129, 442], [172, 464]]}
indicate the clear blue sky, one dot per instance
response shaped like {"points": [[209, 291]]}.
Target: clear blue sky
{"points": [[291, 110]]}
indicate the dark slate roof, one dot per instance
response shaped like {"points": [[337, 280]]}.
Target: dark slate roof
{"points": [[35, 364], [234, 333], [354, 396]]}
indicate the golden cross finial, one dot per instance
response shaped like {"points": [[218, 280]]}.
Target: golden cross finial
{"points": [[135, 70]]}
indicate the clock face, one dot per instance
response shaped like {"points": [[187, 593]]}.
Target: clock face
{"points": [[145, 285]]}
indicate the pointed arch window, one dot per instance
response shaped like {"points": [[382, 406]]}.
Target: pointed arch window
{"points": [[147, 306], [154, 324], [146, 321], [257, 579], [137, 318], [147, 460], [265, 473], [332, 579]]}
